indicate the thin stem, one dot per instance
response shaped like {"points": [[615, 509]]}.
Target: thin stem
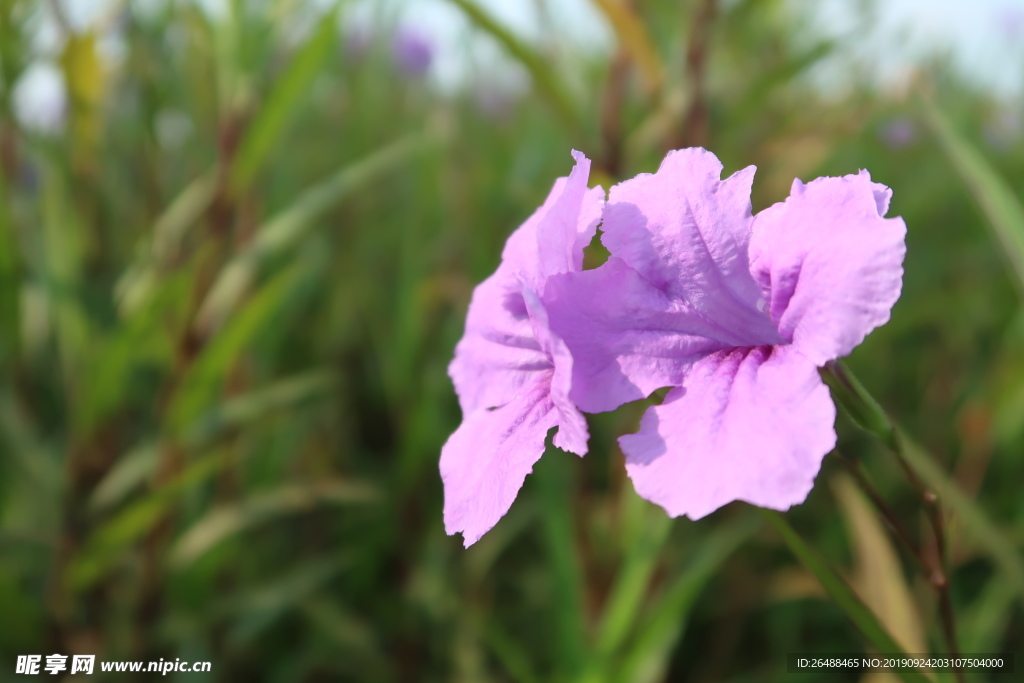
{"points": [[695, 128], [611, 113], [939, 576], [867, 413], [888, 514], [940, 581], [935, 569]]}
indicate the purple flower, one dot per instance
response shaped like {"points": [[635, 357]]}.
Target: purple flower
{"points": [[1010, 21], [734, 311], [511, 371], [1003, 130], [898, 133], [412, 52]]}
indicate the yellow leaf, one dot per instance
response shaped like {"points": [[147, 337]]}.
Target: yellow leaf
{"points": [[878, 574], [633, 36], [86, 82]]}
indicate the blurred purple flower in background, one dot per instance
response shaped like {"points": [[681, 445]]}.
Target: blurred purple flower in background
{"points": [[412, 52], [493, 102], [1003, 130], [1011, 21], [898, 132]]}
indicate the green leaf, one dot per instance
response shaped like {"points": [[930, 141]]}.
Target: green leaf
{"points": [[230, 519], [647, 658], [994, 195], [539, 68], [131, 469], [984, 623], [106, 543], [64, 240], [140, 338], [138, 465], [9, 281], [631, 584], [203, 379], [983, 532], [509, 653], [878, 573], [138, 283], [28, 450], [555, 494], [289, 90], [285, 229], [841, 593], [258, 607], [258, 404]]}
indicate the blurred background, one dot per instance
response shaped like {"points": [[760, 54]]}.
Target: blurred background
{"points": [[237, 244]]}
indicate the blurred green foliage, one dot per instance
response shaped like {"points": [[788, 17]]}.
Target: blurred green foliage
{"points": [[232, 277]]}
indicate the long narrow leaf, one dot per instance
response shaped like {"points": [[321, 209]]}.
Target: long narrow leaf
{"points": [[539, 69], [228, 520], [552, 479], [287, 227], [841, 593], [9, 285], [288, 91], [648, 656], [879, 576], [635, 38], [627, 596], [998, 202], [203, 379], [983, 532]]}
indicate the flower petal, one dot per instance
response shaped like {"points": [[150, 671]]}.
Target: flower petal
{"points": [[829, 264], [499, 354], [748, 424], [627, 337], [572, 432], [552, 239], [486, 460], [686, 230]]}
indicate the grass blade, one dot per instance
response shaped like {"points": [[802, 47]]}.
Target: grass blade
{"points": [[288, 91], [841, 593], [203, 379], [634, 37], [631, 585], [289, 226], [231, 519], [555, 492], [548, 85], [995, 197], [879, 576], [647, 658], [855, 399]]}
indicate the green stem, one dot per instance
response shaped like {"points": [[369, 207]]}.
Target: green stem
{"points": [[869, 415], [841, 593]]}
